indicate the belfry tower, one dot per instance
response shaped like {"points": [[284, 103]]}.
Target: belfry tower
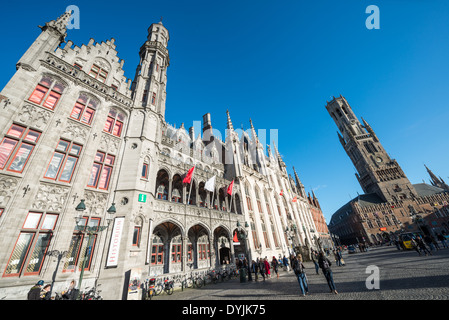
{"points": [[377, 172]]}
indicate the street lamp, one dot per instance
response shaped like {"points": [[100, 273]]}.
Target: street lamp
{"points": [[89, 232]]}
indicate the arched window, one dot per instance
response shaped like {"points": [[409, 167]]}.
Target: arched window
{"points": [[157, 250], [47, 93], [114, 123], [84, 109], [176, 195], [162, 185]]}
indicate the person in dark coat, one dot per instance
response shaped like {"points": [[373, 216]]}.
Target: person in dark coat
{"points": [[255, 268], [262, 268], [325, 266], [71, 292], [45, 293], [35, 291]]}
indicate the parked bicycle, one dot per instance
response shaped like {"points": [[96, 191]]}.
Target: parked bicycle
{"points": [[91, 294]]}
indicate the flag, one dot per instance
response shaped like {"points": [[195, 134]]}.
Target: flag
{"points": [[282, 193], [294, 199], [230, 187], [188, 176], [210, 184], [236, 239]]}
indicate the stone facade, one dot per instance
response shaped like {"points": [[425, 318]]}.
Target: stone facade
{"points": [[76, 131]]}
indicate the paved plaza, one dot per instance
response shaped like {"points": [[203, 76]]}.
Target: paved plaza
{"points": [[404, 275]]}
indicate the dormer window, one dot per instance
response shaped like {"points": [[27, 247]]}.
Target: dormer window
{"points": [[98, 73]]}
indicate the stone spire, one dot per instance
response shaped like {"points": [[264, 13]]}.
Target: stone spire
{"points": [[60, 24], [437, 182], [229, 125]]}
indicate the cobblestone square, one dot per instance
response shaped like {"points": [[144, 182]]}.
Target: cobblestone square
{"points": [[404, 275]]}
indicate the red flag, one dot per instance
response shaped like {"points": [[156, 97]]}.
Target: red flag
{"points": [[230, 187], [294, 199], [188, 176], [282, 193], [236, 239]]}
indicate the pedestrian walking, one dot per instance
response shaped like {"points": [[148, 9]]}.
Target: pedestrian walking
{"points": [[35, 291], [247, 269], [255, 269], [285, 261], [422, 245], [315, 261], [435, 242], [325, 266], [267, 268], [261, 268], [275, 266], [429, 242], [442, 239], [298, 269]]}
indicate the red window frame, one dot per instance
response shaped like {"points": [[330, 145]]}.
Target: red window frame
{"points": [[176, 254], [145, 171], [66, 155], [157, 251], [136, 236], [99, 74], [103, 164], [20, 137], [114, 123], [153, 99], [83, 111], [47, 93], [32, 252]]}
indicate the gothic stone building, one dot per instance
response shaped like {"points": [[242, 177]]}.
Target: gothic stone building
{"points": [[81, 142], [391, 204]]}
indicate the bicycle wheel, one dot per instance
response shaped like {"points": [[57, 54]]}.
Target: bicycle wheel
{"points": [[199, 282], [189, 283], [169, 290], [158, 289]]}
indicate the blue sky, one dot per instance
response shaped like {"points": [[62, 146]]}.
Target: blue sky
{"points": [[278, 62]]}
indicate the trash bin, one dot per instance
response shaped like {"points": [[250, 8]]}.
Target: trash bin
{"points": [[242, 273]]}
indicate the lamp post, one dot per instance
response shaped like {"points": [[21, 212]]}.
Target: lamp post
{"points": [[89, 232]]}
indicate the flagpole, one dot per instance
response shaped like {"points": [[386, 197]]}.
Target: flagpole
{"points": [[191, 182]]}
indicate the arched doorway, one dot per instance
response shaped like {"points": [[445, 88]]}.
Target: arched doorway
{"points": [[166, 249], [198, 247], [223, 246]]}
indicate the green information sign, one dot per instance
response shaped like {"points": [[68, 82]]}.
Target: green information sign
{"points": [[142, 197]]}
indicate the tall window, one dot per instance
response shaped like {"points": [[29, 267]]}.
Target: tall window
{"points": [[253, 231], [153, 98], [176, 249], [84, 109], [136, 235], [17, 146], [157, 251], [82, 246], [203, 248], [145, 170], [47, 93], [63, 162], [114, 123], [32, 244], [98, 73], [100, 174]]}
